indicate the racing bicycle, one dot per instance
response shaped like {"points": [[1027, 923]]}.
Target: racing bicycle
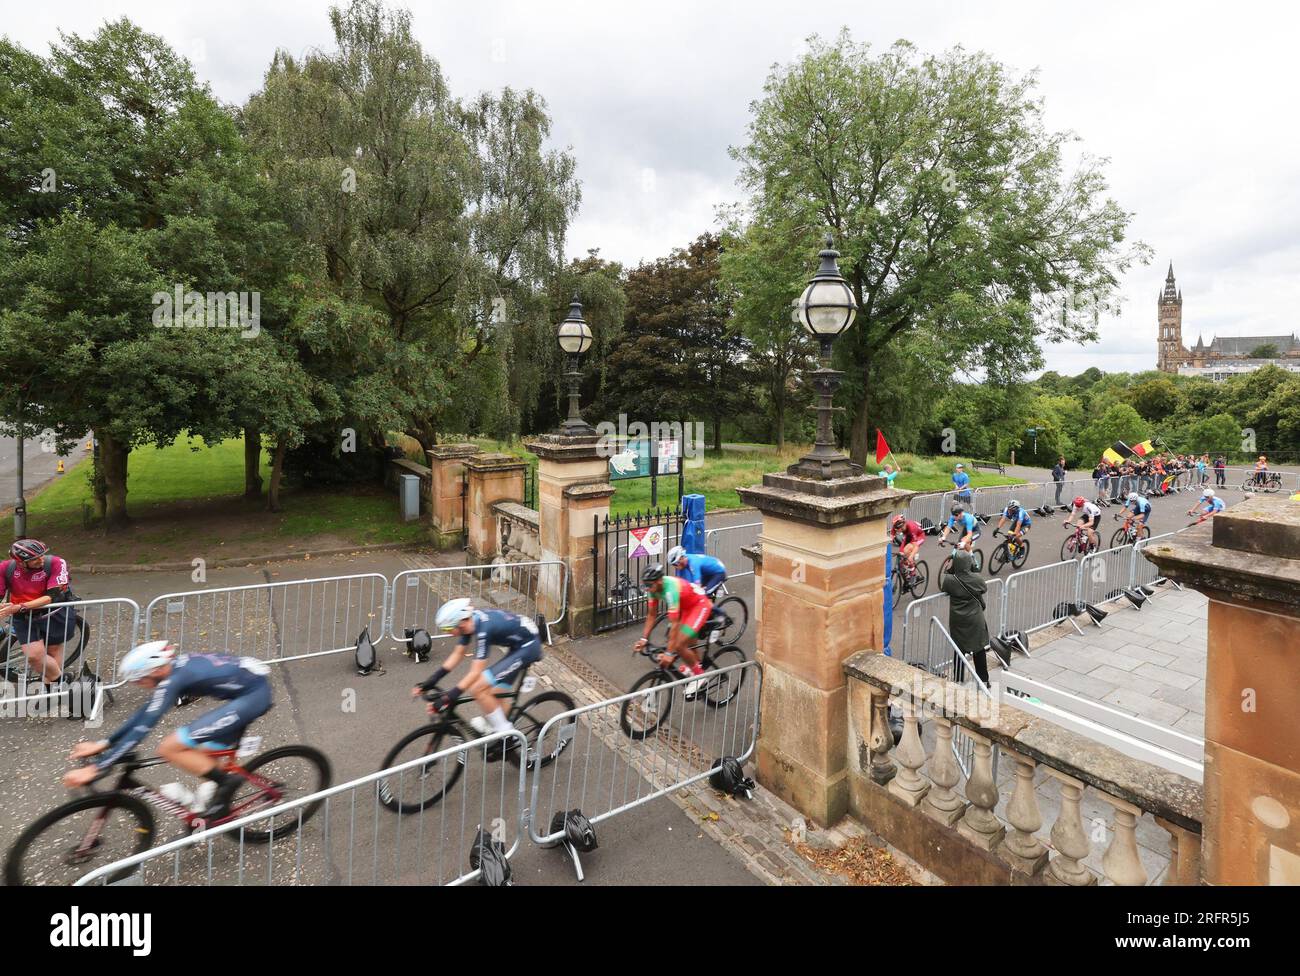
{"points": [[642, 716], [1130, 533], [102, 827], [914, 579], [1077, 544], [1010, 550]]}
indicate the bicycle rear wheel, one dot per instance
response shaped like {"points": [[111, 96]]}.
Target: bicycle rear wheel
{"points": [[733, 617], [76, 838], [297, 771], [530, 719], [411, 790], [721, 689], [641, 716]]}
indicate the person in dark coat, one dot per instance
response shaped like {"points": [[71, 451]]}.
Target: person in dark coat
{"points": [[966, 624], [1058, 476]]}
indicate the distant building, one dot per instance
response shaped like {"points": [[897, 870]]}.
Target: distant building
{"points": [[1223, 357]]}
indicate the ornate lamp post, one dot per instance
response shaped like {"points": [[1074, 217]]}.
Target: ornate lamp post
{"points": [[574, 336], [825, 309]]}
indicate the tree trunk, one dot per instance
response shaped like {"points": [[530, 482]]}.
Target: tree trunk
{"points": [[113, 464], [252, 463], [277, 473], [717, 433], [97, 489]]}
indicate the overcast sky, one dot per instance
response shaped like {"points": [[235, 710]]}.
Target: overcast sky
{"points": [[1194, 105]]}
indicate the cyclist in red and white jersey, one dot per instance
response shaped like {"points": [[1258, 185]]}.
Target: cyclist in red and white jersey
{"points": [[30, 580], [908, 537], [1088, 515]]}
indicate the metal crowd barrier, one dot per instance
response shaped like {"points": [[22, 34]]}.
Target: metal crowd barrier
{"points": [[94, 634], [525, 588], [1105, 575], [279, 621], [992, 500], [1034, 597], [352, 837], [606, 771], [929, 506], [1144, 571], [725, 543], [916, 644]]}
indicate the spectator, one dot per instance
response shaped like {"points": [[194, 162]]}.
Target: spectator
{"points": [[1220, 471], [966, 623], [1201, 476], [889, 474], [30, 580], [961, 484], [1099, 476], [1058, 476]]}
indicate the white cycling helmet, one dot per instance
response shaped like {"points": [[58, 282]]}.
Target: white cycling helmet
{"points": [[674, 554], [451, 613], [1208, 493], [143, 659], [1132, 496]]}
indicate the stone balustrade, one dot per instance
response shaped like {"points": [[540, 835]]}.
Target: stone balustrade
{"points": [[912, 799]]}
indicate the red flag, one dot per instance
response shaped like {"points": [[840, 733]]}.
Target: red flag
{"points": [[882, 449]]}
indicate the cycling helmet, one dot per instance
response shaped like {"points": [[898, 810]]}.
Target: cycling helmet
{"points": [[144, 659], [1013, 504], [453, 612], [1208, 493], [899, 521], [25, 549], [675, 555], [652, 575], [1132, 496], [1080, 501], [958, 509]]}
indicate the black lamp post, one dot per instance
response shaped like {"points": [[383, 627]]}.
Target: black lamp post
{"points": [[574, 336], [825, 309]]}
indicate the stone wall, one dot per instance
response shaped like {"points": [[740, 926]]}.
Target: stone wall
{"points": [[518, 533]]}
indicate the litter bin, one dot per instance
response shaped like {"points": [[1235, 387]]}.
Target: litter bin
{"points": [[408, 493]]}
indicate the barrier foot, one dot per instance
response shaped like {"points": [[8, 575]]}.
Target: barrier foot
{"points": [[573, 856]]}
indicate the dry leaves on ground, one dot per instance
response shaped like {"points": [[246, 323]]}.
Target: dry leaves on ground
{"points": [[859, 861]]}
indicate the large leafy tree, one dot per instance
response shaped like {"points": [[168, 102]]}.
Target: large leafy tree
{"points": [[962, 230], [124, 179], [680, 357]]}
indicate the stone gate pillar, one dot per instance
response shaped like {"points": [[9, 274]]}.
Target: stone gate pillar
{"points": [[573, 490], [1247, 561], [492, 478], [822, 582], [446, 477]]}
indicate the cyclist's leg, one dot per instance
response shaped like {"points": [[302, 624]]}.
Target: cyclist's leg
{"points": [[502, 677], [690, 629], [191, 747], [29, 628]]}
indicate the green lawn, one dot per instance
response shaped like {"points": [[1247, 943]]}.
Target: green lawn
{"points": [[720, 473], [187, 498]]}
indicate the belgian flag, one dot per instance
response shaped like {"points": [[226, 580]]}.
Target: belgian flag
{"points": [[1143, 449], [1117, 453]]}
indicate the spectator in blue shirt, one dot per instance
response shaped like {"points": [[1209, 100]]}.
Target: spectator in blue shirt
{"points": [[961, 483]]}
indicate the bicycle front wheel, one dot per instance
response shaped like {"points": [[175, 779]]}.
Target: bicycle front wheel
{"points": [[1067, 549], [294, 772], [720, 689], [641, 716], [733, 617], [921, 582], [1022, 553], [998, 559], [84, 834], [532, 717], [411, 790], [1120, 538]]}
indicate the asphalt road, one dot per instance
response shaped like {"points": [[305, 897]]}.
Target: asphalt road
{"points": [[39, 467]]}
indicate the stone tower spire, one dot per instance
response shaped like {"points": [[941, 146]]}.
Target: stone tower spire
{"points": [[1169, 342]]}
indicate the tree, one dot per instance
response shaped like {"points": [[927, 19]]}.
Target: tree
{"points": [[680, 357], [961, 235], [1119, 422], [1267, 350], [1155, 399]]}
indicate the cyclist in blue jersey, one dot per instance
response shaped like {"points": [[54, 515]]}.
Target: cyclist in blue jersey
{"points": [[242, 684], [1017, 517], [966, 526], [695, 567], [1211, 504], [484, 629], [1139, 510]]}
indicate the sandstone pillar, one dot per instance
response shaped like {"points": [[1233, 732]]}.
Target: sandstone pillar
{"points": [[823, 575], [492, 478], [573, 492], [1247, 561], [446, 485]]}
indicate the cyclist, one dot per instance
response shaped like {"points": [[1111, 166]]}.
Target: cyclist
{"points": [[1089, 516], [1261, 470], [966, 526], [485, 629], [1019, 519], [30, 580], [689, 608], [908, 537], [1136, 508], [1212, 503], [241, 683], [695, 567]]}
